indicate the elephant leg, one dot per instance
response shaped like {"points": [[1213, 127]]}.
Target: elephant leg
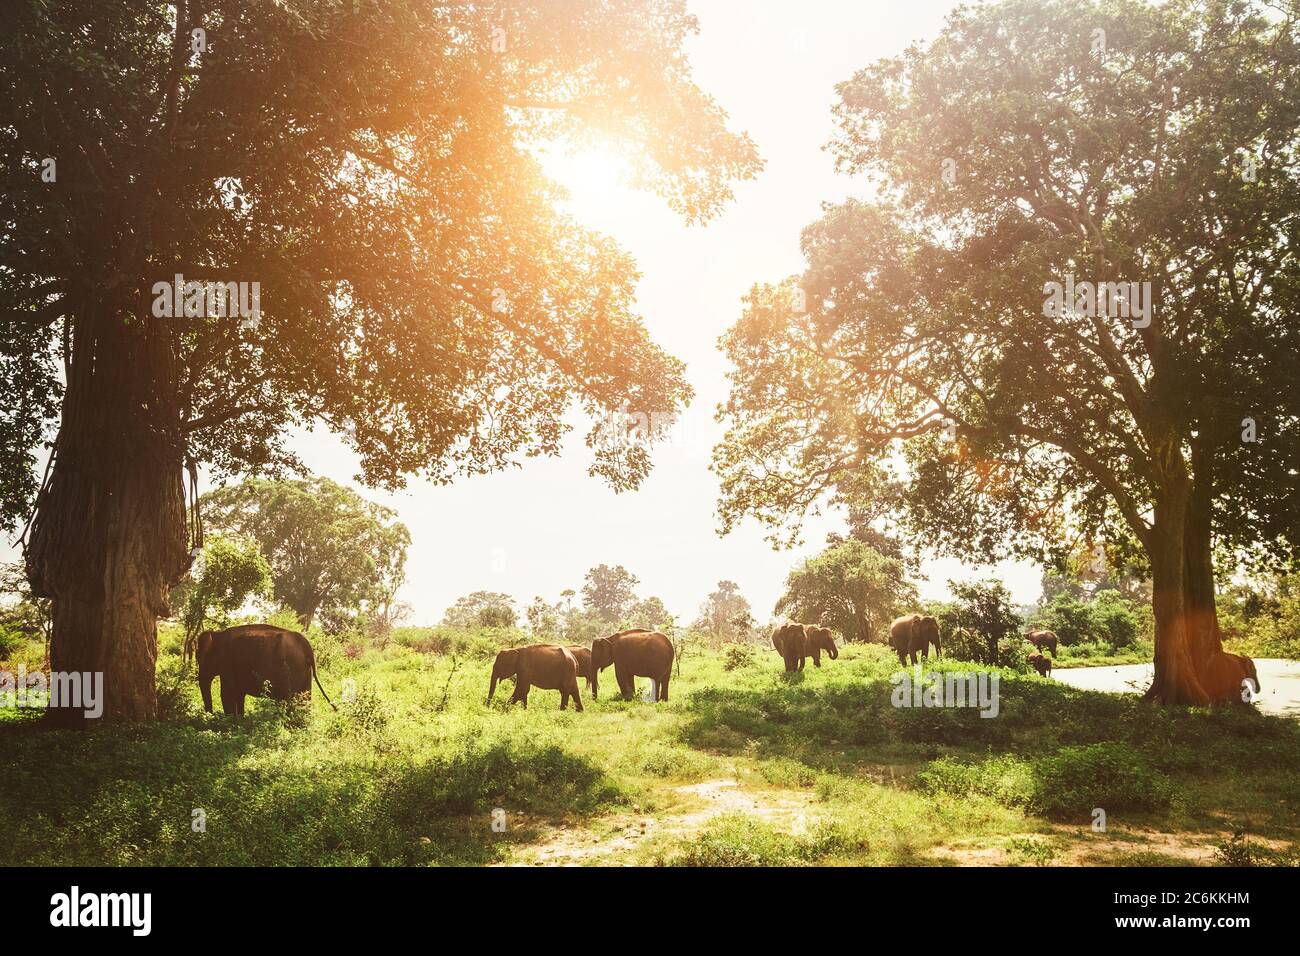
{"points": [[577, 698], [231, 701], [902, 657], [564, 699], [663, 688], [626, 682], [817, 657]]}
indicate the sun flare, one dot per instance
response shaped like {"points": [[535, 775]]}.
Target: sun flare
{"points": [[597, 179]]}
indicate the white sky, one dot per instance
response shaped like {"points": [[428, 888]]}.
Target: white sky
{"points": [[537, 529]]}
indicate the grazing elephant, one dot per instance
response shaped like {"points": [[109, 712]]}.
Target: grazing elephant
{"points": [[1225, 678], [583, 656], [1041, 664], [913, 634], [791, 642], [546, 666], [247, 657], [820, 639], [1043, 640], [634, 653]]}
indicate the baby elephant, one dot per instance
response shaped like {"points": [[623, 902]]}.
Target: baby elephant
{"points": [[1041, 664], [547, 666]]}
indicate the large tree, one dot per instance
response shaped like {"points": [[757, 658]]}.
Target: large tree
{"points": [[372, 166], [329, 549], [1034, 143]]}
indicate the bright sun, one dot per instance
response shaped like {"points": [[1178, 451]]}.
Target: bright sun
{"points": [[597, 179]]}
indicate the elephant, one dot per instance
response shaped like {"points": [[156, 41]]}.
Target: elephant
{"points": [[1041, 664], [820, 639], [791, 642], [634, 653], [913, 634], [247, 657], [583, 656], [545, 666], [1225, 675], [1043, 640]]}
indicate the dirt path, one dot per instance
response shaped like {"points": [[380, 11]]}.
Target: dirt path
{"points": [[614, 840], [1279, 682]]}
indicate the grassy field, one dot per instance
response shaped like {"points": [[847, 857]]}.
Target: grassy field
{"points": [[744, 765]]}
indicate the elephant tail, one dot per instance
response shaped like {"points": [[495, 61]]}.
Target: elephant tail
{"points": [[318, 684]]}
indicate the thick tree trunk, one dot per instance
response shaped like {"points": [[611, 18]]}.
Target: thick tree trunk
{"points": [[1203, 635], [1176, 680], [109, 536]]}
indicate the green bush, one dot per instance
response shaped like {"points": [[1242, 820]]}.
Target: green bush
{"points": [[1070, 783], [736, 656], [741, 840], [1112, 776], [1007, 779], [11, 642]]}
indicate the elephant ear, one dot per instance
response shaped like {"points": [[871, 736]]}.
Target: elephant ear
{"points": [[203, 645]]}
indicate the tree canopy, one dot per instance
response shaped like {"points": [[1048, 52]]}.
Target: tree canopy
{"points": [[1033, 144], [850, 587], [372, 167]]}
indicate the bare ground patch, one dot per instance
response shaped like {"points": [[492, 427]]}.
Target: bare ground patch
{"points": [[614, 840]]}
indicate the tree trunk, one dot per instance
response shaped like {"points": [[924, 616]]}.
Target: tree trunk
{"points": [[109, 536], [1204, 638], [1176, 680]]}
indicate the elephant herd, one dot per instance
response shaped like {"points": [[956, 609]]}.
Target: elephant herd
{"points": [[252, 657], [637, 652]]}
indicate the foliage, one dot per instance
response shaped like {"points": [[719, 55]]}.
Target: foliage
{"points": [[736, 656], [354, 120], [1261, 618], [329, 549], [489, 609], [610, 592], [413, 775], [229, 572], [851, 588], [725, 614], [984, 607], [22, 613], [1067, 784]]}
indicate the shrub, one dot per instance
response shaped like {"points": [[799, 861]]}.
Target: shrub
{"points": [[737, 656], [1114, 620], [1007, 779], [1112, 776], [735, 839], [174, 689]]}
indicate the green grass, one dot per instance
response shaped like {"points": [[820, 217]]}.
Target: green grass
{"points": [[816, 768]]}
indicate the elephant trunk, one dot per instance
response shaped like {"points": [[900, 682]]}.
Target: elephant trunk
{"points": [[492, 689], [834, 652]]}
